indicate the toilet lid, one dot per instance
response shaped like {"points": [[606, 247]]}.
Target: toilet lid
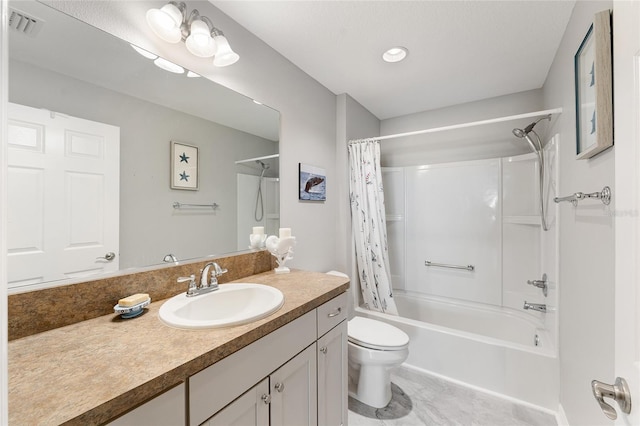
{"points": [[374, 334]]}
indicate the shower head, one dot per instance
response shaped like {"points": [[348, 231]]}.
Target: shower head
{"points": [[520, 133], [263, 165], [524, 134]]}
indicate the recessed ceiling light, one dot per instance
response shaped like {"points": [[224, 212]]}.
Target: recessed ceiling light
{"points": [[395, 54], [168, 66], [143, 52]]}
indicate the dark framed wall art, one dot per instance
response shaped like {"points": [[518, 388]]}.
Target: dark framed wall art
{"points": [[312, 183]]}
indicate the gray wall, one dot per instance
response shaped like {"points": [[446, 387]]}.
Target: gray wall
{"points": [[149, 226], [586, 276], [308, 111]]}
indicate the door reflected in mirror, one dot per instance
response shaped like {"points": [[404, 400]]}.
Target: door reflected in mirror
{"points": [[62, 223]]}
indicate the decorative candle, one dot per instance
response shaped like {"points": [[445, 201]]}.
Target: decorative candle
{"points": [[259, 230], [285, 232]]}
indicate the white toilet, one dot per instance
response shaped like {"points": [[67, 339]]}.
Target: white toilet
{"points": [[374, 348]]}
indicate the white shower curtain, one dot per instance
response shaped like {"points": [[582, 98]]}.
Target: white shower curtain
{"points": [[369, 226]]}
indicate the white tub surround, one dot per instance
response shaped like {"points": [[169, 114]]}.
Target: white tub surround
{"points": [[489, 347]]}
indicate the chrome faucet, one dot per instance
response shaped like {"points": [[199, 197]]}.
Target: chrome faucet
{"points": [[204, 276], [205, 286], [193, 286], [170, 258], [540, 307]]}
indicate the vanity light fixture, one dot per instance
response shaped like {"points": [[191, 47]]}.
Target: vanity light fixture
{"points": [[395, 54], [172, 24]]}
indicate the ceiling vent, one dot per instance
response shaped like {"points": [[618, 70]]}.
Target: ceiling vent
{"points": [[23, 23]]}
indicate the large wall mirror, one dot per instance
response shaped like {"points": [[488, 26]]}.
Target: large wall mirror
{"points": [[91, 126]]}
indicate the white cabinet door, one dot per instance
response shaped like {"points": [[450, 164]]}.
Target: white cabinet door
{"points": [[332, 377], [168, 409], [294, 391], [251, 409]]}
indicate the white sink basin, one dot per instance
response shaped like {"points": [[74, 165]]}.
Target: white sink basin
{"points": [[232, 304]]}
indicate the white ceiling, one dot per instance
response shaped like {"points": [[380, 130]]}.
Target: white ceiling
{"points": [[459, 51]]}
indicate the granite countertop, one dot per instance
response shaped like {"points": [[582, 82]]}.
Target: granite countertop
{"points": [[95, 370]]}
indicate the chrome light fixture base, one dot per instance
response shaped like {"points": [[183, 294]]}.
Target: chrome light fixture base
{"points": [[173, 24]]}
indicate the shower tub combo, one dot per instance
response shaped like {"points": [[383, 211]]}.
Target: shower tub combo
{"points": [[468, 324]]}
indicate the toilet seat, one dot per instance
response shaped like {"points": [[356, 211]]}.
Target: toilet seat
{"points": [[378, 335]]}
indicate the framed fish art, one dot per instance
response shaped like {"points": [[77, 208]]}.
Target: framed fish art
{"points": [[312, 183]]}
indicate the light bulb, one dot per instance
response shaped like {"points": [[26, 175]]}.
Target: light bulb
{"points": [[395, 54], [166, 22], [224, 55], [199, 41]]}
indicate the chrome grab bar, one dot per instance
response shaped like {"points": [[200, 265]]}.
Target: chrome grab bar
{"points": [[604, 196], [178, 205], [444, 265]]}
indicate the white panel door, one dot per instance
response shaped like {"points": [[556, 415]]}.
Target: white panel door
{"points": [[63, 196], [294, 391], [626, 28]]}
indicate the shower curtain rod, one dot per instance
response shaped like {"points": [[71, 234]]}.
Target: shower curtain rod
{"points": [[264, 157], [462, 125]]}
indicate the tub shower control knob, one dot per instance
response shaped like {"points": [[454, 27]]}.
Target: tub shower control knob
{"points": [[541, 284]]}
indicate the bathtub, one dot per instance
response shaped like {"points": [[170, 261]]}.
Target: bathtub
{"points": [[496, 349]]}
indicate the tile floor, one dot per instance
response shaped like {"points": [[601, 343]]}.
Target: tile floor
{"points": [[421, 399]]}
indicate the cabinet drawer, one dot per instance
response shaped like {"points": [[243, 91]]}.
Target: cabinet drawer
{"points": [[168, 409], [332, 313]]}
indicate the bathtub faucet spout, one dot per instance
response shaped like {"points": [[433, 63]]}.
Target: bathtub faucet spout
{"points": [[540, 307]]}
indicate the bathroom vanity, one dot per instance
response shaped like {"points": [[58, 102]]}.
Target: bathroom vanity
{"points": [[288, 368]]}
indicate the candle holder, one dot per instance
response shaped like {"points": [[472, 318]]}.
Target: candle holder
{"points": [[282, 250], [256, 241]]}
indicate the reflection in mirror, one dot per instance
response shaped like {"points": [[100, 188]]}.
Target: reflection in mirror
{"points": [[90, 127]]}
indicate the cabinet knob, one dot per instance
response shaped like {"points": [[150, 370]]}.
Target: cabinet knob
{"points": [[266, 398], [323, 350], [279, 387]]}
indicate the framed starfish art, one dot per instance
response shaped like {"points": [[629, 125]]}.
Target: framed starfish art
{"points": [[184, 166], [594, 104]]}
